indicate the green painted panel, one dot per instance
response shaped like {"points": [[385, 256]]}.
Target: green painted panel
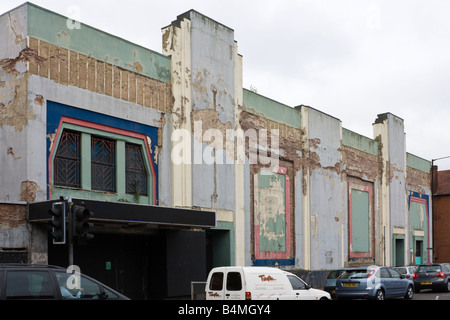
{"points": [[354, 140], [54, 28], [360, 221], [271, 109], [418, 163], [417, 215], [271, 212]]}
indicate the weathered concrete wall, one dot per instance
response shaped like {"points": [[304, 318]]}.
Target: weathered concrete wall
{"points": [[205, 71], [326, 190]]}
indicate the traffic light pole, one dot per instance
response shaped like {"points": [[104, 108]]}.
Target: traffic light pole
{"points": [[70, 234], [79, 226]]}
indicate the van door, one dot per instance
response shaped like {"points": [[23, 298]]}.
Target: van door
{"points": [[225, 284], [234, 289], [215, 287], [301, 289]]}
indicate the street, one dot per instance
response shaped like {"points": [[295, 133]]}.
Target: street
{"points": [[431, 295]]}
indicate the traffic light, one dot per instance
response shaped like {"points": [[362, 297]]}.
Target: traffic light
{"points": [[58, 223], [81, 224]]}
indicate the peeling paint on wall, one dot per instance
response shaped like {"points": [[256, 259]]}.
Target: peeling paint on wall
{"points": [[14, 108], [272, 215], [28, 191]]}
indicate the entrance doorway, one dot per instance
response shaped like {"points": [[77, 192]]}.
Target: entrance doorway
{"points": [[419, 256], [399, 252], [218, 249], [159, 265]]}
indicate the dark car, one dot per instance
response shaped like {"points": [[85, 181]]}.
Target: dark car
{"points": [[28, 281], [434, 276], [330, 281], [373, 283]]}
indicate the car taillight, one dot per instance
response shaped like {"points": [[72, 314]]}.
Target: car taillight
{"points": [[440, 275], [415, 275], [370, 274], [248, 295]]}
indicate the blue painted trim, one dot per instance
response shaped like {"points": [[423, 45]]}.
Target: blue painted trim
{"points": [[273, 262]]}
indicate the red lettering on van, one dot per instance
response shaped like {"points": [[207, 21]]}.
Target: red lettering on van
{"points": [[213, 294], [266, 278]]}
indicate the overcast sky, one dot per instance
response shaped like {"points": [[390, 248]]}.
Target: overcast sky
{"points": [[352, 59]]}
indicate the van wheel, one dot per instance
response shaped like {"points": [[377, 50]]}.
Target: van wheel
{"points": [[379, 295], [409, 293], [323, 298]]}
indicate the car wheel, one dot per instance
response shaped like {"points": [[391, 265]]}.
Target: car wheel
{"points": [[379, 295], [448, 286], [409, 293]]}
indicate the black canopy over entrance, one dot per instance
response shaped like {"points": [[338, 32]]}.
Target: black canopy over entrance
{"points": [[126, 213], [145, 252]]}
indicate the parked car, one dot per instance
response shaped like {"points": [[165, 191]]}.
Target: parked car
{"points": [[330, 282], [434, 276], [258, 283], [373, 282], [28, 281], [408, 271]]}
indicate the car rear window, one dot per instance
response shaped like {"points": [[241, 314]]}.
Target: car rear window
{"points": [[335, 274], [432, 268], [355, 274], [401, 270]]}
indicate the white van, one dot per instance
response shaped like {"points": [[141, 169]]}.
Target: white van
{"points": [[258, 283]]}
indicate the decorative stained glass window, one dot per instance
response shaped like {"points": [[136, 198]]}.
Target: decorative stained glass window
{"points": [[136, 175], [103, 164], [67, 160]]}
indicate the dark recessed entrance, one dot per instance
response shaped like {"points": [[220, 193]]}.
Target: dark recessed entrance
{"points": [[145, 252]]}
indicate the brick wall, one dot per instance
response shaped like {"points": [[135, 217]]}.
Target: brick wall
{"points": [[75, 69]]}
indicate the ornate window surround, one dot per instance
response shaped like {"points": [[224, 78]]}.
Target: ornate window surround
{"points": [[122, 137]]}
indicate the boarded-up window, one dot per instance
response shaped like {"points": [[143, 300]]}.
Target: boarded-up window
{"points": [[360, 221], [272, 215]]}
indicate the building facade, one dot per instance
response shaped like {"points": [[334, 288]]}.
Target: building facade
{"points": [[183, 167]]}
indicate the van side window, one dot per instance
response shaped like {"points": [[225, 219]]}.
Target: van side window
{"points": [[216, 281], [296, 283], [234, 282]]}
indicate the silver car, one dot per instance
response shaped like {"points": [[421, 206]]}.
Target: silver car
{"points": [[408, 271], [373, 282]]}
